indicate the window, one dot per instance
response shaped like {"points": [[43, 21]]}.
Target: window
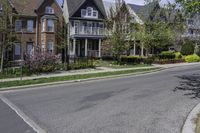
{"points": [[50, 25], [1, 8], [43, 25], [76, 25], [83, 12], [29, 49], [49, 10], [191, 31], [30, 25], [190, 21], [43, 47], [18, 25], [95, 13], [17, 49], [50, 47], [89, 11]]}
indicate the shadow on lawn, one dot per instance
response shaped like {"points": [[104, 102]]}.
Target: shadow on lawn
{"points": [[190, 84]]}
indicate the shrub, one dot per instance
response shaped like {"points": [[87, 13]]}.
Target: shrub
{"points": [[167, 55], [192, 58], [178, 55], [82, 63], [131, 59], [42, 62], [187, 48], [149, 60]]}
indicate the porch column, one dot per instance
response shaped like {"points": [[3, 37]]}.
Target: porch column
{"points": [[142, 50], [134, 49], [74, 47], [99, 47], [86, 47]]}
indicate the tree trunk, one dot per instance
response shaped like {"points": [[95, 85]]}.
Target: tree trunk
{"points": [[142, 50], [2, 53]]}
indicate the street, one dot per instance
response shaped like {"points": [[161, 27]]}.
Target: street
{"points": [[138, 104]]}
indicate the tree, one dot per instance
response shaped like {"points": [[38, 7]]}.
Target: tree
{"points": [[190, 6], [63, 39], [118, 24], [6, 29]]}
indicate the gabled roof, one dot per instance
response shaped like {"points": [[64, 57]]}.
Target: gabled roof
{"points": [[136, 8], [26, 7], [146, 11], [74, 5]]}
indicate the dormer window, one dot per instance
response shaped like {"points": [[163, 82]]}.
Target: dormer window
{"points": [[83, 13], [89, 12], [95, 13], [49, 10]]}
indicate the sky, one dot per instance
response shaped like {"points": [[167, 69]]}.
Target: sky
{"points": [[138, 2], [141, 2]]}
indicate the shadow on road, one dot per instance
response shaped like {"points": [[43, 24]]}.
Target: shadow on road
{"points": [[190, 84]]}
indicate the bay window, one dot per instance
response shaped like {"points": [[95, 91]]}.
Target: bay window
{"points": [[50, 25], [50, 47]]}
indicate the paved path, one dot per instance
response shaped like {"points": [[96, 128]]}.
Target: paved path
{"points": [[10, 122], [141, 104], [74, 72]]}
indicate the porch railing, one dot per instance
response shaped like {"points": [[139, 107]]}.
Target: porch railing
{"points": [[87, 31]]}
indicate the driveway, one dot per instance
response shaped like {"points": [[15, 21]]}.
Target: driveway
{"points": [[141, 104]]}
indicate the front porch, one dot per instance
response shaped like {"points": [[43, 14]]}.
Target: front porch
{"points": [[84, 47]]}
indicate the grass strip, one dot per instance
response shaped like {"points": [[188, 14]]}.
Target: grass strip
{"points": [[70, 77]]}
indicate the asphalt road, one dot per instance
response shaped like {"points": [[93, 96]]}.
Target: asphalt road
{"points": [[10, 122], [142, 104]]}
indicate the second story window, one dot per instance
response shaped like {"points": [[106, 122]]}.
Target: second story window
{"points": [[43, 26], [30, 25], [18, 25], [49, 10], [50, 25]]}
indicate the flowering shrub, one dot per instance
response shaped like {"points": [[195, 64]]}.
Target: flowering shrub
{"points": [[42, 62]]}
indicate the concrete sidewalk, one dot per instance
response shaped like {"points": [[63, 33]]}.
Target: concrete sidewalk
{"points": [[175, 65], [97, 70], [74, 72]]}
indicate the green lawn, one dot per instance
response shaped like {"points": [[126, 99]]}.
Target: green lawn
{"points": [[68, 78], [112, 64]]}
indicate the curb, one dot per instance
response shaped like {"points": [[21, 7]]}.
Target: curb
{"points": [[81, 80], [189, 125]]}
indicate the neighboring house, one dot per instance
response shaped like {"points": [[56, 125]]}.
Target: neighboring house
{"points": [[86, 30], [193, 28], [36, 23], [139, 14]]}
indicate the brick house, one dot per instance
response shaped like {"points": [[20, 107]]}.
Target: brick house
{"points": [[35, 23], [86, 30]]}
